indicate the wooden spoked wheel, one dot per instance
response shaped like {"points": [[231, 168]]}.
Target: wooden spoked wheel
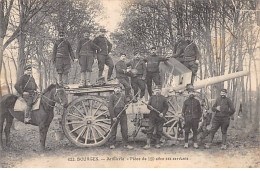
{"points": [[174, 127], [86, 122]]}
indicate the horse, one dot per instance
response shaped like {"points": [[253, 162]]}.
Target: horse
{"points": [[41, 117]]}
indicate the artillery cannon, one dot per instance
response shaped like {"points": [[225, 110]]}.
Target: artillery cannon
{"points": [[86, 121]]}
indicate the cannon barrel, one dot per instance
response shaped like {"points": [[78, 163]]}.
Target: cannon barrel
{"points": [[209, 81]]}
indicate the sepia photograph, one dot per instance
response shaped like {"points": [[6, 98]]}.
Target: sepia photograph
{"points": [[129, 83]]}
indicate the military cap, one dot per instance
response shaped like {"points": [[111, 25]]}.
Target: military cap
{"points": [[190, 87], [102, 30], [224, 90], [153, 47], [122, 54], [27, 67], [136, 52], [61, 33]]}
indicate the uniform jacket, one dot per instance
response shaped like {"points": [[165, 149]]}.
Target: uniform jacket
{"points": [[187, 49], [103, 44], [121, 69], [23, 85], [153, 62], [138, 64], [191, 108], [62, 49], [226, 107], [158, 102], [86, 47], [114, 100]]}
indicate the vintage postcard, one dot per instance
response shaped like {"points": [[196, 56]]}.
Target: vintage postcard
{"points": [[129, 83]]}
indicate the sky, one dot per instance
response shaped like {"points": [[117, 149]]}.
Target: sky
{"points": [[112, 14]]}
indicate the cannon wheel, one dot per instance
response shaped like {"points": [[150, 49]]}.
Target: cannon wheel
{"points": [[174, 127], [86, 121]]}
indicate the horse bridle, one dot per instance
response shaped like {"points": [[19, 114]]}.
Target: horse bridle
{"points": [[55, 95]]}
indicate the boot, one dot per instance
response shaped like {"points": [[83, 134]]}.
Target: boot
{"points": [[60, 82], [88, 78], [148, 145], [195, 145], [207, 145], [27, 117], [66, 80], [223, 147], [186, 145], [82, 83]]}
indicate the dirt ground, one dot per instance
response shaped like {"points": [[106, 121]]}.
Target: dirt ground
{"points": [[243, 151]]}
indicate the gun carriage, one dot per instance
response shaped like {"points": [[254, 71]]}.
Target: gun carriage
{"points": [[86, 121]]}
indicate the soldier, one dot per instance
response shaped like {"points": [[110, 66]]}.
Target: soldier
{"points": [[86, 52], [192, 113], [62, 54], [179, 39], [116, 105], [190, 53], [26, 88], [103, 55], [138, 70], [224, 109], [158, 107], [153, 73], [122, 75]]}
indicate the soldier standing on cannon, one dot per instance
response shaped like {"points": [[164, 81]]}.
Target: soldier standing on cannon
{"points": [[85, 53], [62, 55], [158, 106], [116, 106], [224, 109], [122, 75], [138, 74], [153, 72], [188, 53], [103, 55], [26, 88], [192, 113]]}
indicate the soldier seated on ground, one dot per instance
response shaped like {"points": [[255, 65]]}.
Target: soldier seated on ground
{"points": [[116, 106], [26, 88], [224, 109], [192, 114], [158, 106]]}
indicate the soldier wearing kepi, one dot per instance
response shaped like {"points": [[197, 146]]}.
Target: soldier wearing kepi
{"points": [[138, 74], [224, 108], [116, 105], [62, 55], [192, 114], [86, 51], [122, 75], [189, 50], [157, 103], [26, 88], [103, 55], [153, 73]]}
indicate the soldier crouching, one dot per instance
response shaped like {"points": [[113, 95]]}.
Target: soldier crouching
{"points": [[158, 107], [224, 108], [116, 105], [192, 113]]}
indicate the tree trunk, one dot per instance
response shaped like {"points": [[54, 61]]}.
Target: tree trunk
{"points": [[6, 80], [1, 63]]}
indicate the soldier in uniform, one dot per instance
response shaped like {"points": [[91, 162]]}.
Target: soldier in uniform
{"points": [[103, 55], [179, 39], [138, 68], [26, 88], [85, 53], [157, 103], [189, 50], [192, 113], [116, 105], [62, 55], [122, 75], [153, 73], [224, 109]]}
